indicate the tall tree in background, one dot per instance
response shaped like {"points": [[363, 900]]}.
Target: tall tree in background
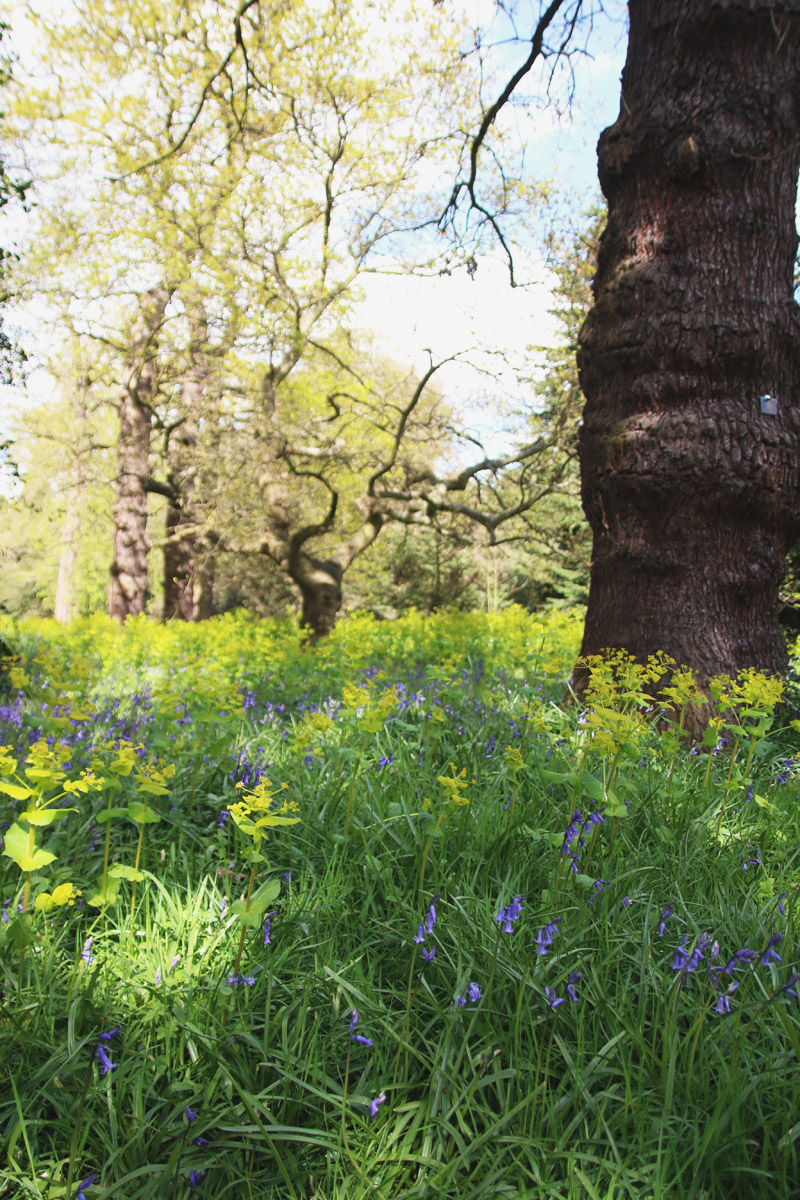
{"points": [[690, 448], [127, 593]]}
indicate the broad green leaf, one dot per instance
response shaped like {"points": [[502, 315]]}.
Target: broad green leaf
{"points": [[17, 847], [109, 813], [20, 932], [555, 776], [593, 787], [120, 871], [112, 892], [44, 816], [265, 822], [141, 814], [268, 892], [14, 790], [152, 789], [249, 917]]}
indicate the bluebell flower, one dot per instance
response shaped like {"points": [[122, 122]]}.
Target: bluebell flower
{"points": [[86, 953], [626, 902], [723, 1004], [428, 955], [770, 954], [112, 1033], [552, 1000], [83, 1185], [266, 932], [190, 1113], [354, 1020], [106, 1064], [571, 982], [666, 913], [598, 885], [375, 1104], [461, 1001], [431, 918], [364, 1041], [789, 987], [779, 903], [420, 938], [194, 1178], [201, 1141], [474, 993], [745, 955], [287, 876], [505, 923]]}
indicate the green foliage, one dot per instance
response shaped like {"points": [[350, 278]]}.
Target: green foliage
{"points": [[553, 940]]}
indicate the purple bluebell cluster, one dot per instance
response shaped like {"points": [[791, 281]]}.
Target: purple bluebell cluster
{"points": [[234, 979], [575, 835], [555, 1001], [474, 994], [507, 916], [425, 930], [545, 935]]}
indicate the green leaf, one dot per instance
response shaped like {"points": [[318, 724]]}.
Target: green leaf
{"points": [[20, 932], [17, 847], [152, 789], [102, 818], [112, 892], [248, 917], [14, 790], [141, 814], [593, 787], [583, 881], [44, 816], [259, 903], [555, 776], [120, 871], [268, 892]]}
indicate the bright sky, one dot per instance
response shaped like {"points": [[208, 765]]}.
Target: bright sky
{"points": [[453, 313]]}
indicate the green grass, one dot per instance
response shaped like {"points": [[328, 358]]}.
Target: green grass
{"points": [[639, 1088]]}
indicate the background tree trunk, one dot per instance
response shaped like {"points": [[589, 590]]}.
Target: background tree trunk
{"points": [[320, 585], [692, 489], [127, 593], [64, 608]]}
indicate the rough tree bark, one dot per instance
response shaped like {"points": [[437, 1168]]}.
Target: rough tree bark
{"points": [[127, 593], [64, 609], [689, 480]]}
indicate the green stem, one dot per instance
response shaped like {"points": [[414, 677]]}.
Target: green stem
{"points": [[196, 772], [352, 792]]}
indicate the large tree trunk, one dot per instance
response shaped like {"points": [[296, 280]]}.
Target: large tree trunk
{"points": [[689, 480], [127, 593], [320, 584]]}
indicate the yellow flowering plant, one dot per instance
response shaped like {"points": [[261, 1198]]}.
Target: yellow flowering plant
{"points": [[41, 784], [253, 814]]}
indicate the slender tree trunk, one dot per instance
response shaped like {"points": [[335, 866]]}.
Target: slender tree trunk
{"points": [[64, 609], [127, 594], [690, 479]]}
